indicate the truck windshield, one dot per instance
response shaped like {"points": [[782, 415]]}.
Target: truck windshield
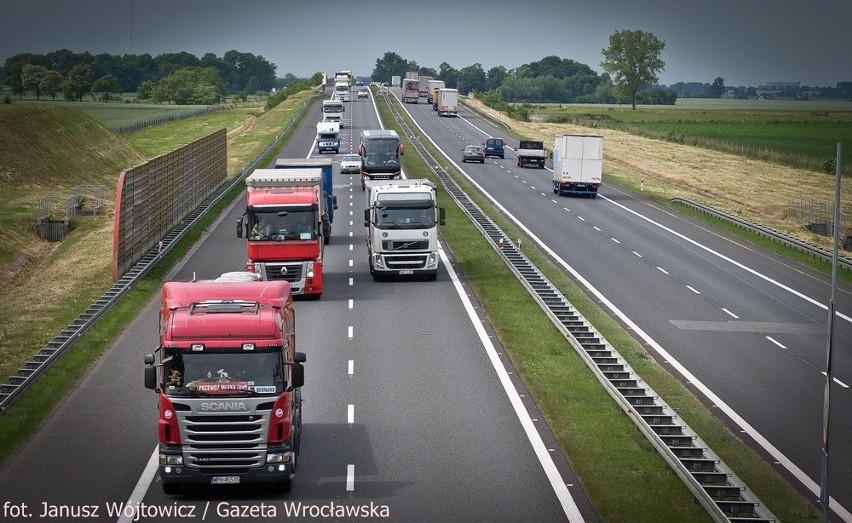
{"points": [[332, 108], [381, 153], [223, 373], [391, 216], [283, 224]]}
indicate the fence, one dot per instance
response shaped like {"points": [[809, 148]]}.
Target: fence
{"points": [[55, 211], [152, 198], [156, 120], [817, 216]]}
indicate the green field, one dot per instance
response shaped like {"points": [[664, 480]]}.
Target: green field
{"points": [[799, 133]]}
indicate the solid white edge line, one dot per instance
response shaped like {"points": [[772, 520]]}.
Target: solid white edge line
{"points": [[544, 457], [141, 487]]}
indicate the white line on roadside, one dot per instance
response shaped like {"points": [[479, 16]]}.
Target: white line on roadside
{"points": [[141, 487], [350, 478], [776, 342], [731, 314], [351, 369], [544, 457], [350, 414]]}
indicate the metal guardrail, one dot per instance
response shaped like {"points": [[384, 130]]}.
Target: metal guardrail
{"points": [[51, 352], [720, 491], [768, 232]]}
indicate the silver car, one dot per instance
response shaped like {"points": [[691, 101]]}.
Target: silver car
{"points": [[350, 164]]}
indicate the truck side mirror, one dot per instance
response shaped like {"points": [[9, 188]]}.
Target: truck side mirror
{"points": [[334, 200], [151, 378], [442, 216], [297, 370], [401, 149], [239, 227], [366, 217]]}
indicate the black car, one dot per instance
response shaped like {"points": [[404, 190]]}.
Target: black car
{"points": [[473, 153]]}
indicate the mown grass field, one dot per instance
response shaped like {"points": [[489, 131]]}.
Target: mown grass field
{"points": [[807, 130]]}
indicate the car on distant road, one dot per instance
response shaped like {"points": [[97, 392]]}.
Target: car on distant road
{"points": [[363, 93], [473, 153], [350, 164]]}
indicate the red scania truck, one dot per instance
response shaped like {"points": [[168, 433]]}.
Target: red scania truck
{"points": [[228, 378]]}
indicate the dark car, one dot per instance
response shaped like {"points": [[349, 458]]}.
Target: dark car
{"points": [[494, 147], [473, 153]]}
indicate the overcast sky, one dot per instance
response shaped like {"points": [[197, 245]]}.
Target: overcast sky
{"points": [[746, 42]]}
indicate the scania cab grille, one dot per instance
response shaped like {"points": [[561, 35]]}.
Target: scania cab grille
{"points": [[223, 441]]}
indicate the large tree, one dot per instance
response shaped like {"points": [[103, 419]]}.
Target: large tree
{"points": [[77, 83], [391, 64], [106, 88], [633, 59], [32, 77]]}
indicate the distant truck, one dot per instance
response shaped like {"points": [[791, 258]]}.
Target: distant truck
{"points": [[341, 91], [577, 164], [380, 151], [396, 81], [229, 382], [402, 219], [324, 164], [328, 137], [531, 152], [332, 111], [412, 75], [423, 85], [282, 225], [448, 102], [433, 84], [410, 94]]}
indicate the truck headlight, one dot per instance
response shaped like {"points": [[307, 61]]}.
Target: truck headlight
{"points": [[309, 273], [171, 459], [279, 457]]}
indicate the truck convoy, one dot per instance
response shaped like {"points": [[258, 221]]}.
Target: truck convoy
{"points": [[328, 137], [433, 84], [448, 102], [380, 152], [402, 220], [327, 183], [332, 111], [282, 225], [531, 152], [410, 92], [229, 383], [577, 164]]}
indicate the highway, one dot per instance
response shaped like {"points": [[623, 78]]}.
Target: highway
{"points": [[412, 411], [745, 328]]}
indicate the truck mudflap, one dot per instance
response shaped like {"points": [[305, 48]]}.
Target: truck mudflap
{"points": [[578, 189]]}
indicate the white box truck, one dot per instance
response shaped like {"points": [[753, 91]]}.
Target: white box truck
{"points": [[433, 84], [402, 219], [577, 164], [396, 81], [448, 102]]}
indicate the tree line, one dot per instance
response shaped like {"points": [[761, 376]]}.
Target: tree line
{"points": [[171, 77], [632, 62]]}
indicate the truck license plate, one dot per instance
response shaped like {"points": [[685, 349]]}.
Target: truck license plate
{"points": [[406, 272], [224, 480]]}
